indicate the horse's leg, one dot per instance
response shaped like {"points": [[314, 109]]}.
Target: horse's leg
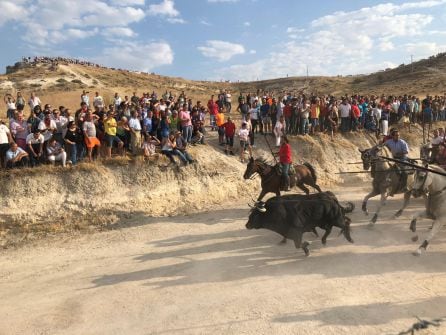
{"points": [[303, 188], [413, 223], [382, 202], [366, 198], [262, 194], [435, 229], [405, 203]]}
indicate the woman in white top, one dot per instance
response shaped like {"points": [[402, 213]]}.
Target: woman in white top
{"points": [[279, 130]]}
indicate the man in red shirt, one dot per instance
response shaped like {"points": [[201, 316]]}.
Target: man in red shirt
{"points": [[229, 127], [356, 113], [285, 161]]}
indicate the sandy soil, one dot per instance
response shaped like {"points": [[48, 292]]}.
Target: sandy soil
{"points": [[206, 274]]}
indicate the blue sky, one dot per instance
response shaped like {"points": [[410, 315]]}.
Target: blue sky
{"points": [[226, 39]]}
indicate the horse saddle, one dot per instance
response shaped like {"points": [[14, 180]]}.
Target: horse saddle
{"points": [[291, 171]]}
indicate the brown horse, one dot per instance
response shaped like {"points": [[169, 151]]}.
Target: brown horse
{"points": [[271, 179]]}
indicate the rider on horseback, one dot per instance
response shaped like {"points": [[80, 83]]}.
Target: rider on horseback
{"points": [[285, 162], [399, 149]]}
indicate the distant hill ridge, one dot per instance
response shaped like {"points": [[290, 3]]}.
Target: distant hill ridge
{"points": [[421, 77]]}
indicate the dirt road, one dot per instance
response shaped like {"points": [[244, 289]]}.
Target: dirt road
{"points": [[207, 274]]}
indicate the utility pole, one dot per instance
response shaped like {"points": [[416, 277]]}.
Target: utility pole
{"points": [[411, 63], [307, 71]]}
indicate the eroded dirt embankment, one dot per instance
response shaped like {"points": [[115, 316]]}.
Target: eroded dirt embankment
{"points": [[48, 200]]}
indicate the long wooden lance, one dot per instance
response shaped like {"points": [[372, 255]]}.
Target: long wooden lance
{"points": [[413, 165]]}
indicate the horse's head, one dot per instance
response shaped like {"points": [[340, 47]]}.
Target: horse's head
{"points": [[370, 155], [422, 180], [425, 151], [366, 158], [251, 168]]}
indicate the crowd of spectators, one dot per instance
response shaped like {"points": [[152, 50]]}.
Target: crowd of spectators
{"points": [[55, 61], [152, 125]]}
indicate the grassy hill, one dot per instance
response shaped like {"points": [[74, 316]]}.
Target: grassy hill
{"points": [[63, 86]]}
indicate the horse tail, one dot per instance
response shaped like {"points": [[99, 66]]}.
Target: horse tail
{"points": [[312, 171]]}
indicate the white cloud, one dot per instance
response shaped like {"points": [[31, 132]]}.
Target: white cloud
{"points": [[205, 23], [137, 56], [252, 52], [424, 49], [221, 50], [247, 24], [114, 32], [128, 2], [165, 8], [10, 11], [175, 20], [215, 1], [347, 42]]}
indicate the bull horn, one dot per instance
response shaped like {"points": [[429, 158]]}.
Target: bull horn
{"points": [[261, 209], [361, 151]]}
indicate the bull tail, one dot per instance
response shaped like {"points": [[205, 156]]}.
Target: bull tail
{"points": [[312, 171], [348, 207], [346, 229]]}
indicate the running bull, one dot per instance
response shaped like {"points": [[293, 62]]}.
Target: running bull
{"points": [[293, 215]]}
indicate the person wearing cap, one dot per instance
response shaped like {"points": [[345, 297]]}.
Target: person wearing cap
{"points": [[399, 149], [34, 142]]}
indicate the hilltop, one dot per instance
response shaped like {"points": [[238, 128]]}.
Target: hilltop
{"points": [[63, 84]]}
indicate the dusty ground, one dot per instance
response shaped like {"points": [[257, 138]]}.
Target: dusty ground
{"points": [[206, 274]]}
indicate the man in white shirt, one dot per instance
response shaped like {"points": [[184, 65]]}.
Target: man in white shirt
{"points": [[117, 101], [47, 126], [85, 98], [98, 102], [5, 139], [345, 113], [55, 152], [135, 133], [34, 142], [16, 157], [34, 101]]}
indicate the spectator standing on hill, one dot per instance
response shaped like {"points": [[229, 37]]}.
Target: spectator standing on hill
{"points": [[47, 126], [279, 130], [355, 115], [20, 101], [265, 117], [304, 117], [85, 98], [110, 126], [243, 134], [35, 143], [135, 132], [345, 113], [19, 130], [220, 121], [229, 127], [213, 111], [98, 102], [74, 142], [10, 106], [117, 101], [186, 123], [5, 139], [34, 101], [91, 141], [228, 101], [243, 108]]}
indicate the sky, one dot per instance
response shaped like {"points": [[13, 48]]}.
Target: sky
{"points": [[226, 39]]}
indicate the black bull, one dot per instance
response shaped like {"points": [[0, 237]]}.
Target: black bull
{"points": [[293, 215]]}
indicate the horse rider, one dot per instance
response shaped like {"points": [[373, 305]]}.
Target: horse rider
{"points": [[399, 149], [285, 161]]}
